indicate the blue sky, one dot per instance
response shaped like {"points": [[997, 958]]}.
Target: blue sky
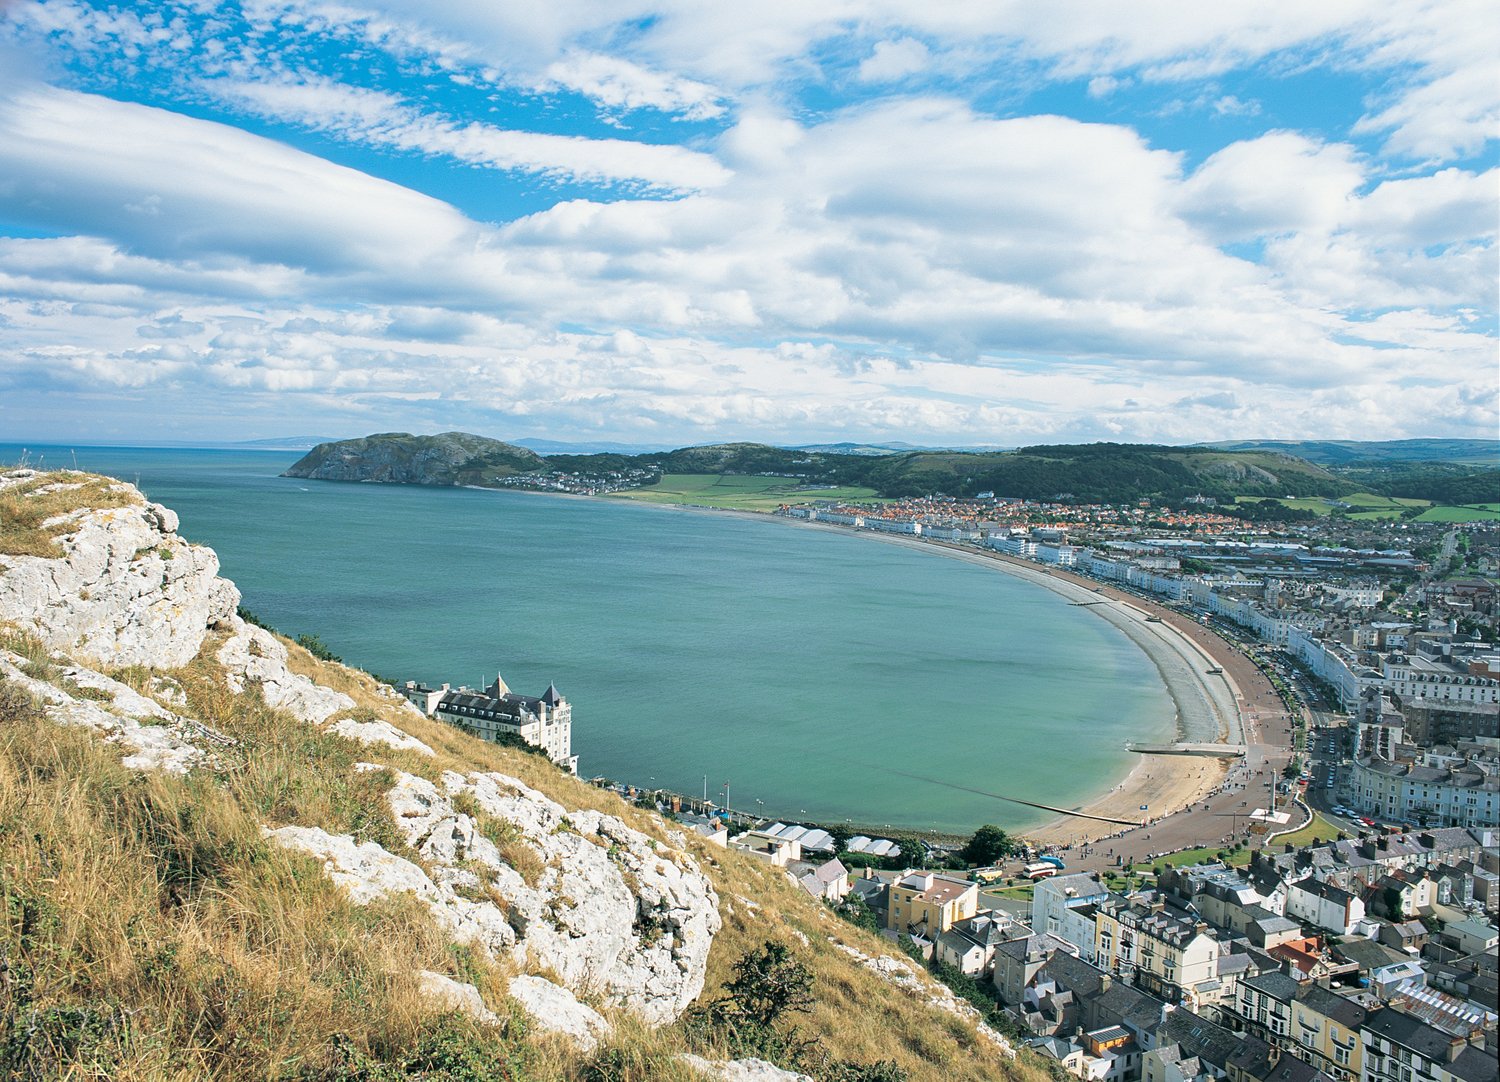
{"points": [[992, 223]]}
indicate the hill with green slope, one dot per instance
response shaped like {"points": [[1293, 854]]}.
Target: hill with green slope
{"points": [[448, 458], [1343, 452]]}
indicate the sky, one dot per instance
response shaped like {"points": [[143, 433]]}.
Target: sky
{"points": [[790, 221]]}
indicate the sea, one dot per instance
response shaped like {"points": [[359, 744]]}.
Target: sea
{"points": [[809, 675]]}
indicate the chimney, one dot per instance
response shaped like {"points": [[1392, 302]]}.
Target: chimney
{"points": [[1200, 927], [1105, 980]]}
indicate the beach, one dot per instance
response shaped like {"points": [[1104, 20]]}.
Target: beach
{"points": [[1235, 706]]}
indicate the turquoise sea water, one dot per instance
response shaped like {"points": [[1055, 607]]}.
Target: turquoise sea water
{"points": [[811, 670]]}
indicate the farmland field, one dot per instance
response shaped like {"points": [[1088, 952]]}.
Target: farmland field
{"points": [[740, 493], [1364, 506]]}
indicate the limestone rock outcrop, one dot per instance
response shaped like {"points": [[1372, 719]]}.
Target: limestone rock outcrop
{"points": [[609, 909], [558, 1011], [155, 738], [367, 870], [253, 656], [127, 589], [741, 1070], [371, 733]]}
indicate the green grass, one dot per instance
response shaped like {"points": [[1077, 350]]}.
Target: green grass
{"points": [[1319, 830], [1479, 512], [740, 493], [1203, 855], [1368, 506]]}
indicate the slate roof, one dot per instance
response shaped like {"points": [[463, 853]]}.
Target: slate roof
{"points": [[1403, 1029], [1275, 984], [1330, 1004], [1197, 1036]]}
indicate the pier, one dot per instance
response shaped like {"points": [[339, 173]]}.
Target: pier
{"points": [[1211, 751]]}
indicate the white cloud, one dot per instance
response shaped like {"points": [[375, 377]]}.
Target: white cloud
{"points": [[380, 119], [620, 84], [1280, 182], [893, 60]]}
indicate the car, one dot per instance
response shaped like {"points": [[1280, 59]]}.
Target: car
{"points": [[1367, 821]]}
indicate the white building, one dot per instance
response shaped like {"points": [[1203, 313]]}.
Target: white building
{"points": [[545, 722], [1462, 794]]}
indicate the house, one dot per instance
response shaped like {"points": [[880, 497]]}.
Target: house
{"points": [[775, 851], [970, 944], [927, 904], [1471, 936], [1167, 954], [1064, 906], [1407, 936], [1324, 906], [1257, 1061], [828, 881], [1189, 1048], [1399, 1047]]}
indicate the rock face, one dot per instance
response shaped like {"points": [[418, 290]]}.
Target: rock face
{"points": [[253, 656], [556, 1010], [606, 912], [155, 737], [451, 458], [127, 589]]}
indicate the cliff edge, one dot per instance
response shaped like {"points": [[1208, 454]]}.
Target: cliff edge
{"points": [[226, 858]]}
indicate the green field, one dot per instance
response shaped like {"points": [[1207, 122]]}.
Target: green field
{"points": [[1474, 512], [1319, 830], [1364, 506], [740, 493]]}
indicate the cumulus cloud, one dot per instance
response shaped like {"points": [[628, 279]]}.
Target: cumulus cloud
{"points": [[893, 60], [834, 256]]}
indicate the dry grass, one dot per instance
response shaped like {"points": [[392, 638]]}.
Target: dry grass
{"points": [[150, 932], [25, 507]]}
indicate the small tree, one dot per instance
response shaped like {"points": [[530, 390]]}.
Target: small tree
{"points": [[768, 984], [988, 845]]}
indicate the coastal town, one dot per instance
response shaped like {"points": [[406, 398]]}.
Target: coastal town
{"points": [[1304, 886]]}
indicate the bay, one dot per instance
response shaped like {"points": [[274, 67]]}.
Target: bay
{"points": [[823, 675]]}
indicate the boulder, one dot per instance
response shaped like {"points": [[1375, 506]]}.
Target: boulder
{"points": [[455, 996], [126, 590], [556, 1010]]}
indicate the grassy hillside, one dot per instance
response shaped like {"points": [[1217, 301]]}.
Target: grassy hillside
{"points": [[149, 930]]}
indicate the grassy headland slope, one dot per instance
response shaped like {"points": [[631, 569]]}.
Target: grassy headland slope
{"points": [[223, 857]]}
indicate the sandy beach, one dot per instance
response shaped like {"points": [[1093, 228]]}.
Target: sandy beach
{"points": [[1230, 707]]}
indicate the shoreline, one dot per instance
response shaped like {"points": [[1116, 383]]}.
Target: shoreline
{"points": [[1166, 784], [1209, 708]]}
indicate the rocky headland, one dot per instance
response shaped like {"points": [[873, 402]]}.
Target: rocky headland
{"points": [[227, 858]]}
